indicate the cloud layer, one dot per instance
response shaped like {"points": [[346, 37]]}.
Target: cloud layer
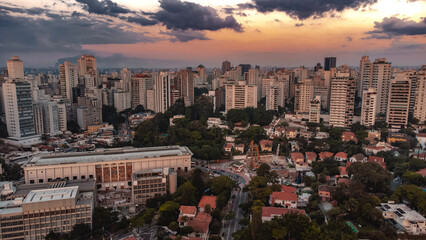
{"points": [[175, 14], [393, 26], [303, 9]]}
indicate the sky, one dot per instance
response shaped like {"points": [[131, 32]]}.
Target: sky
{"points": [[175, 33]]}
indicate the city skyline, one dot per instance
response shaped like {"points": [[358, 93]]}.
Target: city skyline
{"points": [[160, 34]]}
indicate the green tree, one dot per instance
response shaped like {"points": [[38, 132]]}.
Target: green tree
{"points": [[372, 175], [413, 195], [80, 230], [174, 226], [168, 213]]}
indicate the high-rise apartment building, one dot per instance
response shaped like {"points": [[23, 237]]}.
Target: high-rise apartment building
{"points": [[315, 110], [87, 66], [329, 63], [122, 100], [68, 79], [380, 80], [240, 96], [226, 66], [368, 108], [303, 94], [140, 83], [275, 95], [185, 79], [365, 67], [18, 108], [342, 100], [399, 101], [244, 68], [63, 106], [253, 76], [15, 68], [420, 97], [162, 91]]}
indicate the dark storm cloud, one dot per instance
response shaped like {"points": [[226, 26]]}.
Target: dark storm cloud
{"points": [[393, 27], [140, 20], [302, 9], [185, 35], [104, 7], [175, 14], [64, 34]]}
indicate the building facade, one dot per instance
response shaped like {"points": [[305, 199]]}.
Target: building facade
{"points": [[399, 101], [368, 108], [342, 100]]}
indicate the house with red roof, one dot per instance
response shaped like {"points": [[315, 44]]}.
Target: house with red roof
{"points": [[341, 156], [310, 157], [324, 155], [297, 158], [422, 172], [186, 213], [207, 200], [289, 189], [268, 213], [239, 147], [266, 145], [200, 224], [343, 172], [348, 136], [324, 192], [291, 133], [228, 147], [378, 160], [359, 157], [284, 199]]}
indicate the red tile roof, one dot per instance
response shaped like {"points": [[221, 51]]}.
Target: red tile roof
{"points": [[188, 210], [285, 196], [269, 211], [341, 155], [348, 136], [422, 172], [211, 200], [343, 171], [297, 155], [346, 181], [311, 156], [324, 155], [290, 189], [200, 223], [378, 160]]}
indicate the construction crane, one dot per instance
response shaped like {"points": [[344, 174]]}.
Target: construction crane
{"points": [[252, 148]]}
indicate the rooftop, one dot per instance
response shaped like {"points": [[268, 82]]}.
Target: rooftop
{"points": [[53, 194], [402, 211], [211, 200], [274, 211], [286, 196], [105, 155]]}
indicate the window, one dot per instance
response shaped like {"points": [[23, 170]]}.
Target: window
{"points": [[40, 181], [83, 177], [74, 177], [31, 181]]}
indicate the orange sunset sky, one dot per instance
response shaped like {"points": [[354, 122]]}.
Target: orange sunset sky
{"points": [[174, 33]]}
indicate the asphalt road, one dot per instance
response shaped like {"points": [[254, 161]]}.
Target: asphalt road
{"points": [[240, 197]]}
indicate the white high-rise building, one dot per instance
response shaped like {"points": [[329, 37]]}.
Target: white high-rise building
{"points": [[15, 68], [63, 106], [50, 117], [185, 80], [380, 80], [122, 100], [18, 108], [240, 96], [368, 109], [420, 97], [68, 78], [139, 86], [87, 66], [162, 91], [275, 95], [315, 110], [303, 94], [364, 74], [342, 100], [399, 101]]}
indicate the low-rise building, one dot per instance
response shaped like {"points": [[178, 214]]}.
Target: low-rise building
{"points": [[284, 199], [404, 218], [239, 148], [324, 192], [207, 200], [310, 157], [348, 136], [297, 158], [378, 160], [394, 137], [341, 156], [268, 213], [359, 157], [42, 211], [266, 145], [323, 155]]}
